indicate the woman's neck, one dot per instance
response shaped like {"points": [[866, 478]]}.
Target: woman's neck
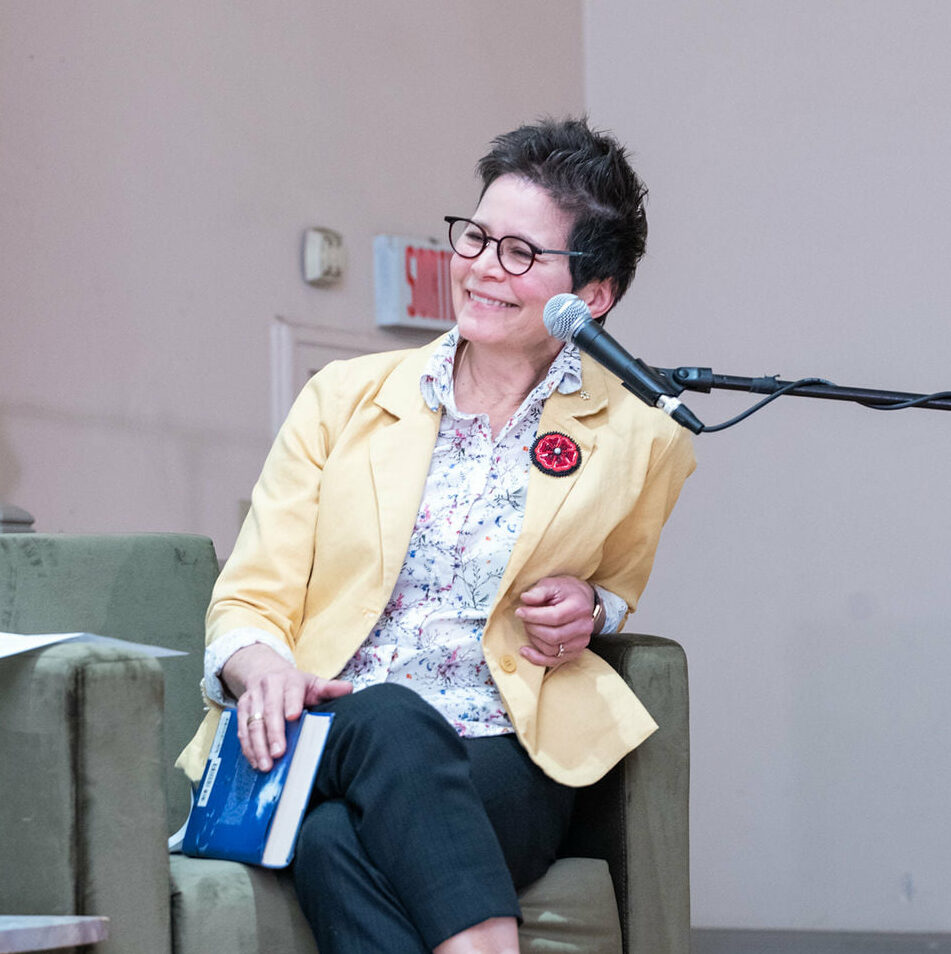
{"points": [[496, 382]]}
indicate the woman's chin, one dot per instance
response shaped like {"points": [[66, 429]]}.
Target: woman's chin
{"points": [[488, 329]]}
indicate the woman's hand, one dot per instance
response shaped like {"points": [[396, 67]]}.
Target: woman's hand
{"points": [[269, 690], [556, 613]]}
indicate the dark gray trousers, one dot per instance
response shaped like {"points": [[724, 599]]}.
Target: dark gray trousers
{"points": [[415, 834]]}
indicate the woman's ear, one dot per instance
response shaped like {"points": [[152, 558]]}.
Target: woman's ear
{"points": [[598, 296]]}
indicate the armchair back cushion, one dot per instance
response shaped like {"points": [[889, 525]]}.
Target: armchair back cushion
{"points": [[147, 588]]}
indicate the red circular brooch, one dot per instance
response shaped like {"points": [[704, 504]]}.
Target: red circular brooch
{"points": [[556, 454]]}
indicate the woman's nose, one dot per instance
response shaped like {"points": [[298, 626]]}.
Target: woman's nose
{"points": [[487, 261]]}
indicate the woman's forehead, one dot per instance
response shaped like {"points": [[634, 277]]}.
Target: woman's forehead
{"points": [[515, 206]]}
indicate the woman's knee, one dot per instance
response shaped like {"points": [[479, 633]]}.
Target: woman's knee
{"points": [[388, 697], [378, 741], [387, 712]]}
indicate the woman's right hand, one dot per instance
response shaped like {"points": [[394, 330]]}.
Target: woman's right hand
{"points": [[269, 691]]}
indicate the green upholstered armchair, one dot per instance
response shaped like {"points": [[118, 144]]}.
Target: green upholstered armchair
{"points": [[88, 734]]}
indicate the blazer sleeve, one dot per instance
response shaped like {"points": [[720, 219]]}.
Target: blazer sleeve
{"points": [[264, 582], [630, 547]]}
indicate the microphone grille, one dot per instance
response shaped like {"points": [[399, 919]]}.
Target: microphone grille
{"points": [[564, 315]]}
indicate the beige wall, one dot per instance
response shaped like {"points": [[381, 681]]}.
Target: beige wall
{"points": [[158, 164], [797, 155]]}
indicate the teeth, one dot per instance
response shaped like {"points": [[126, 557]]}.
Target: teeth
{"points": [[493, 302]]}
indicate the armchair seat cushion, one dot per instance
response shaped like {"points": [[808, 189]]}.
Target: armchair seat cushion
{"points": [[227, 906], [571, 909]]}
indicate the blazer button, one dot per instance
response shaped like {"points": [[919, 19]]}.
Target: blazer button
{"points": [[508, 663]]}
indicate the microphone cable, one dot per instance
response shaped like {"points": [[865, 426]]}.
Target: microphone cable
{"points": [[792, 385], [901, 405], [713, 428]]}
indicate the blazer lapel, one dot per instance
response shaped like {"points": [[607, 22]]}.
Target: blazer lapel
{"points": [[565, 414]]}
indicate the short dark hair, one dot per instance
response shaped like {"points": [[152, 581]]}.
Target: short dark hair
{"points": [[587, 174]]}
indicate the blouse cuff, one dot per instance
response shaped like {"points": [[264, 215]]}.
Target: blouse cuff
{"points": [[615, 609], [223, 648]]}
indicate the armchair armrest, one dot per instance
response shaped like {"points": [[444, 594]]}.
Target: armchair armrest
{"points": [[636, 817], [82, 813]]}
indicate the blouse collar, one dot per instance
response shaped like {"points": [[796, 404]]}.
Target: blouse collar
{"points": [[435, 383]]}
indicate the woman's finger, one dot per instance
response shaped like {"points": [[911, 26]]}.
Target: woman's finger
{"points": [[556, 654], [264, 708], [256, 726], [251, 730]]}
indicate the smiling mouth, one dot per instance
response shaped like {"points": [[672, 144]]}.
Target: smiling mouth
{"points": [[490, 302]]}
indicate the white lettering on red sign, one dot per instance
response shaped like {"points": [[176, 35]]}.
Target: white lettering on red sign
{"points": [[427, 274]]}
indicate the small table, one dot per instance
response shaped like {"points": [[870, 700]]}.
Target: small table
{"points": [[27, 933]]}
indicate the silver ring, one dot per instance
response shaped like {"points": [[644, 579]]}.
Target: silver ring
{"points": [[255, 717], [561, 649]]}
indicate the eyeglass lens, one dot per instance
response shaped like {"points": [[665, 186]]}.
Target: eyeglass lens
{"points": [[469, 239]]}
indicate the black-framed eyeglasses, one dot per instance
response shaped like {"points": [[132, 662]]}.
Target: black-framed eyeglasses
{"points": [[515, 255]]}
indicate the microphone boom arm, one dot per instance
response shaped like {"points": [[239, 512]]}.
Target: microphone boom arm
{"points": [[705, 380]]}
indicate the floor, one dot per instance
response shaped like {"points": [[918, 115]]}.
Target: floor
{"points": [[717, 941]]}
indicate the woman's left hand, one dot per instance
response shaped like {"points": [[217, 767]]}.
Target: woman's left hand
{"points": [[557, 615]]}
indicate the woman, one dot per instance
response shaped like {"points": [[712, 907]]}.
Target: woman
{"points": [[434, 538]]}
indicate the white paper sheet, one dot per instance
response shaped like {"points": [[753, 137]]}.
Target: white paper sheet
{"points": [[13, 643]]}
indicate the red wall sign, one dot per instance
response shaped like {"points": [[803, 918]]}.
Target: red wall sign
{"points": [[411, 279]]}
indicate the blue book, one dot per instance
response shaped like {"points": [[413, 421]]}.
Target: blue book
{"points": [[241, 814]]}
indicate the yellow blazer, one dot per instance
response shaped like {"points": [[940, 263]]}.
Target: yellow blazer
{"points": [[332, 514]]}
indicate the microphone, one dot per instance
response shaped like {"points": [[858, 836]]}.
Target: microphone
{"points": [[567, 318]]}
